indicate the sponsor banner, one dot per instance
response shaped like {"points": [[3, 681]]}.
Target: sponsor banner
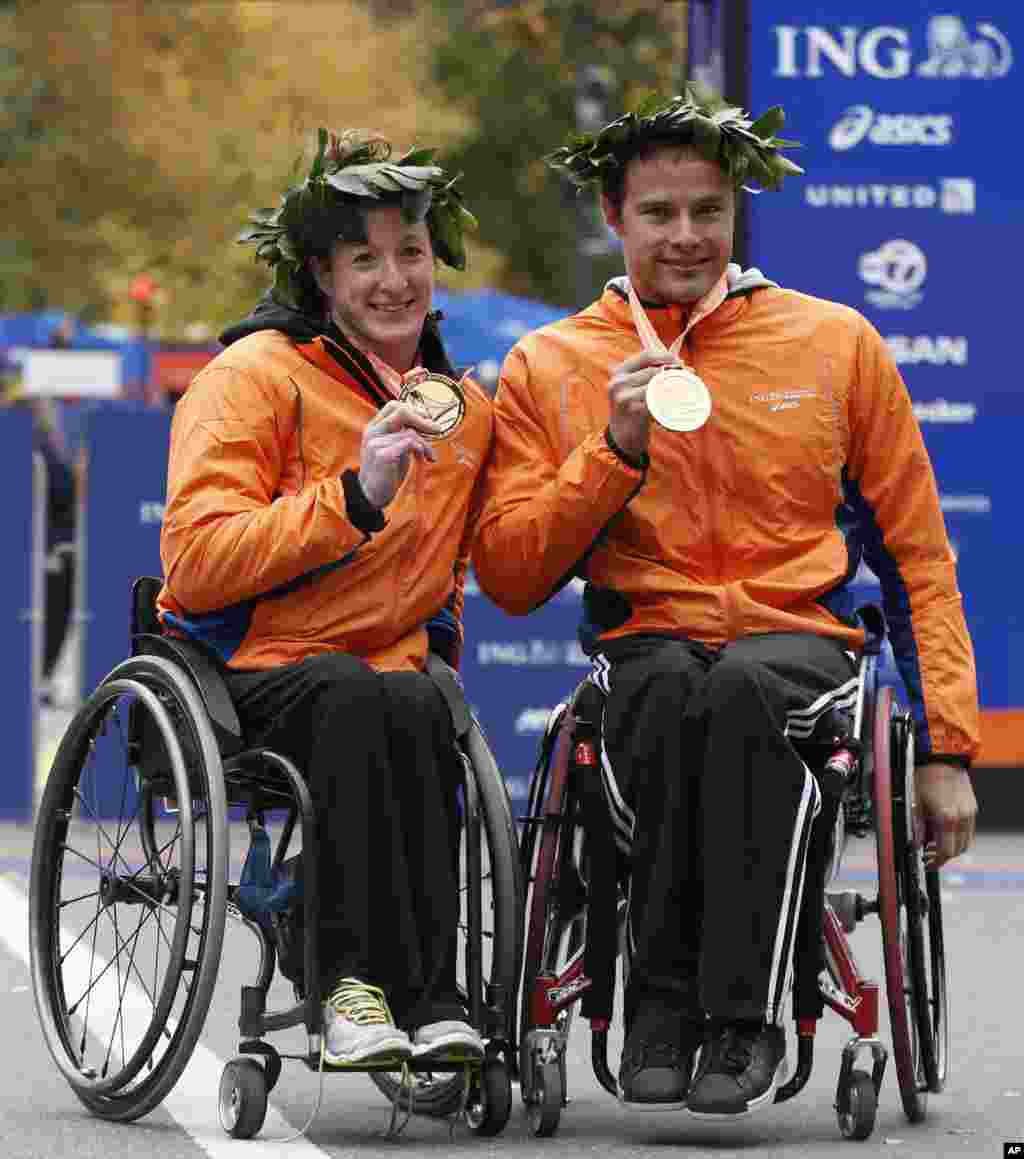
{"points": [[71, 373], [16, 603], [908, 213]]}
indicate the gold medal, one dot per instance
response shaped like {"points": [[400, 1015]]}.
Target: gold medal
{"points": [[435, 397], [678, 399]]}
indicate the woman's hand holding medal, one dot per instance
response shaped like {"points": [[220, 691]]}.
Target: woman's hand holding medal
{"points": [[396, 433], [429, 406]]}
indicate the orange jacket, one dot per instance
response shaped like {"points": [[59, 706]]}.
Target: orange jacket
{"points": [[812, 458], [260, 559]]}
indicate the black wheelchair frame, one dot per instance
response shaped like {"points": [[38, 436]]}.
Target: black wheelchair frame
{"points": [[576, 909], [162, 886]]}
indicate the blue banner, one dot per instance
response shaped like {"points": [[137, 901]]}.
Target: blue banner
{"points": [[127, 449], [909, 212], [16, 783], [516, 670]]}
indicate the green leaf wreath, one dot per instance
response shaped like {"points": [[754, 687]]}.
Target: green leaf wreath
{"points": [[346, 169], [748, 150]]}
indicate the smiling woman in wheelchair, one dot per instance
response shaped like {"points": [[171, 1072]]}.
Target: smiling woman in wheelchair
{"points": [[315, 537], [717, 544]]}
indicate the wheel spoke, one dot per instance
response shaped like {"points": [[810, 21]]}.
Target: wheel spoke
{"points": [[81, 897], [115, 847]]}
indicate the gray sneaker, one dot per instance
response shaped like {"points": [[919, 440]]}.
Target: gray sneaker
{"points": [[452, 1040], [359, 1029]]}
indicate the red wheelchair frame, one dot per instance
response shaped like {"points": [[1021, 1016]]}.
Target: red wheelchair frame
{"points": [[876, 757]]}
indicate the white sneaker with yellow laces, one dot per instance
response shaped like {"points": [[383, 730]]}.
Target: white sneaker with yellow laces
{"points": [[359, 1029]]}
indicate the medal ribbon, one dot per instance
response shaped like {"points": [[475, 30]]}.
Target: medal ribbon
{"points": [[391, 378], [648, 335]]}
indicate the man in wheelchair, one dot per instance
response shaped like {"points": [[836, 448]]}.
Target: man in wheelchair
{"points": [[718, 544], [319, 513]]}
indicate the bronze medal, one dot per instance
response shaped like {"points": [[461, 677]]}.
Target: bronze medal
{"points": [[678, 399], [435, 397]]}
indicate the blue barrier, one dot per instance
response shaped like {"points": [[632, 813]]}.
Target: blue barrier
{"points": [[16, 783], [516, 670], [127, 449]]}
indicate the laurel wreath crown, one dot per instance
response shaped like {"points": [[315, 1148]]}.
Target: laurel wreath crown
{"points": [[749, 151], [349, 168]]}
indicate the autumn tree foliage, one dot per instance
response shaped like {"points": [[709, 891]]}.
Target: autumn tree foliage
{"points": [[138, 135]]}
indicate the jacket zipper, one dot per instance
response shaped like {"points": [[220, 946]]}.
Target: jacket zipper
{"points": [[713, 529]]}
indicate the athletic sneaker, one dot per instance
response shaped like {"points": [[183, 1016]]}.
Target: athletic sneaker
{"points": [[657, 1059], [740, 1071], [451, 1040], [359, 1029]]}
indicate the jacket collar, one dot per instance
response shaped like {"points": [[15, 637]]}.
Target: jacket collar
{"points": [[669, 321]]}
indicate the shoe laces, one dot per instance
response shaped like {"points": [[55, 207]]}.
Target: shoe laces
{"points": [[359, 1002], [732, 1049]]}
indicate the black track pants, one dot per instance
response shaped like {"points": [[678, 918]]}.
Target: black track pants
{"points": [[377, 750], [700, 765]]}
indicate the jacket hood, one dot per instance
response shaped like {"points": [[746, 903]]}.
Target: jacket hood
{"points": [[270, 314]]}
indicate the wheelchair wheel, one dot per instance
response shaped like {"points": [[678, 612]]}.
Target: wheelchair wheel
{"points": [[857, 1107], [128, 890], [490, 895], [551, 852], [242, 1104], [924, 946], [911, 916], [490, 1099]]}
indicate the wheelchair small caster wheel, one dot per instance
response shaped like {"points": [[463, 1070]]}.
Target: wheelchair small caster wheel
{"points": [[857, 1106], [243, 1098], [490, 1099], [546, 1099]]}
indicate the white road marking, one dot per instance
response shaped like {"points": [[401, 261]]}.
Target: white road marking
{"points": [[193, 1101]]}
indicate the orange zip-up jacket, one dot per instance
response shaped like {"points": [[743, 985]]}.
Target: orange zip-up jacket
{"points": [[260, 559], [811, 460]]}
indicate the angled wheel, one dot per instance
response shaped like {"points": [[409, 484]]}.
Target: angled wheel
{"points": [[490, 905], [555, 899], [924, 949], [899, 907], [934, 963], [128, 889]]}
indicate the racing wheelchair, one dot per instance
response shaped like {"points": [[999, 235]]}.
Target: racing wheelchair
{"points": [[130, 894], [575, 866]]}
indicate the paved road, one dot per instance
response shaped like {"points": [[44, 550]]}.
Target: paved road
{"points": [[982, 1106]]}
